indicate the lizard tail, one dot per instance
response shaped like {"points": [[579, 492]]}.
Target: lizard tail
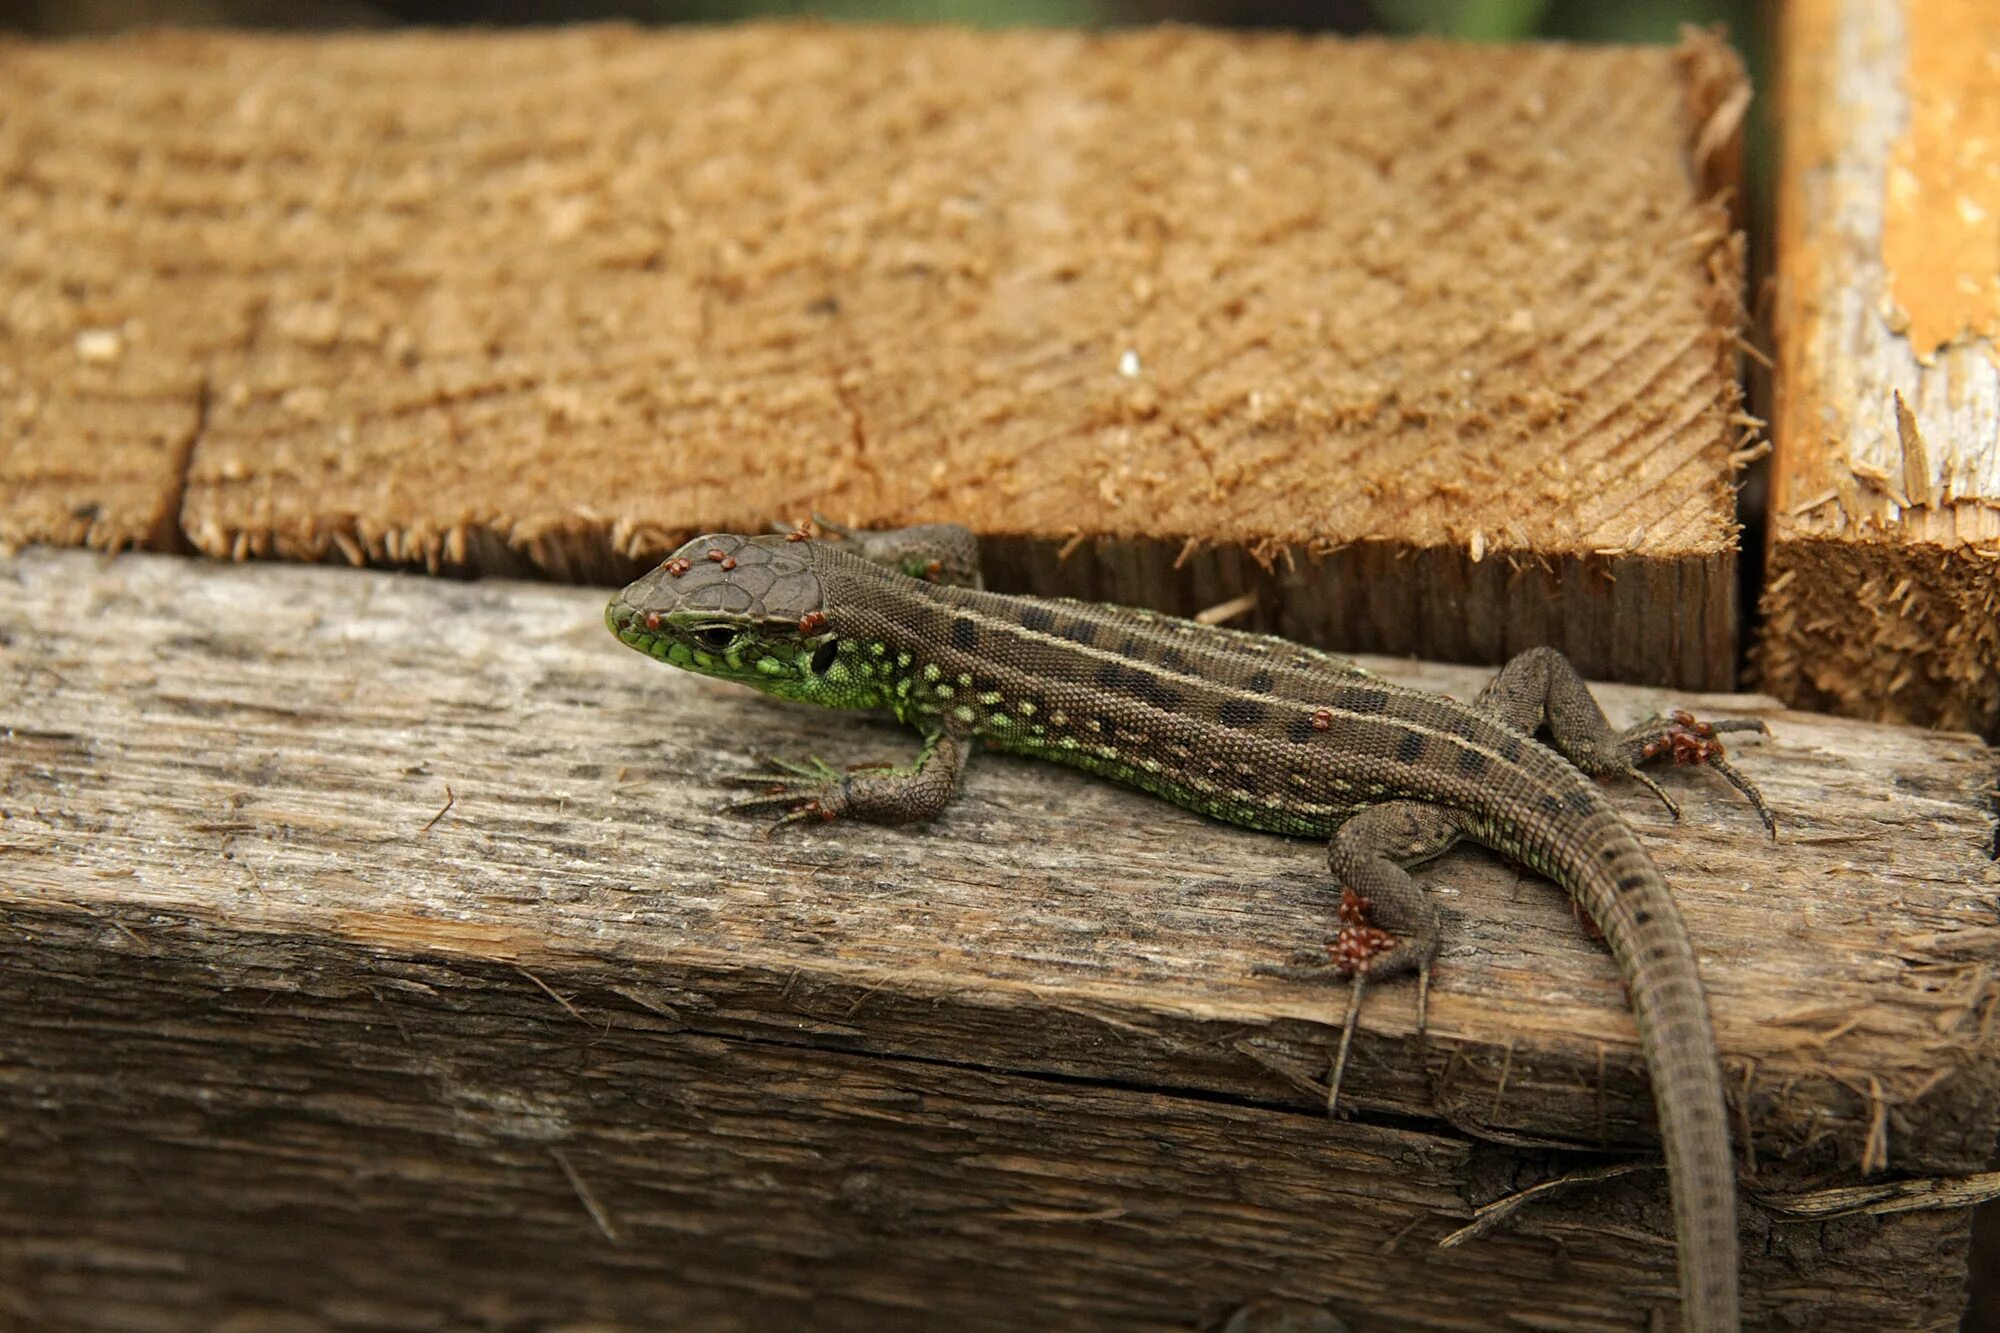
{"points": [[1617, 883]]}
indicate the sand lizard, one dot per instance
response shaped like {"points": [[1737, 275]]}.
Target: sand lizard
{"points": [[1251, 729]]}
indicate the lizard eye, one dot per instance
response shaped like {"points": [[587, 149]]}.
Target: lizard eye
{"points": [[717, 637]]}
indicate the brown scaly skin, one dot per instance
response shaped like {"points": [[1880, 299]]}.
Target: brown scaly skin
{"points": [[1244, 727]]}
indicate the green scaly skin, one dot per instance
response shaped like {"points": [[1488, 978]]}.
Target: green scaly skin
{"points": [[1246, 728]]}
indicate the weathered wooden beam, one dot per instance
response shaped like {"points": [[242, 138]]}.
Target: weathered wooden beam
{"points": [[1883, 590], [371, 952], [1365, 326]]}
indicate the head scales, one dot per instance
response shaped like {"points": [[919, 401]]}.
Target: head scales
{"points": [[755, 578], [748, 609]]}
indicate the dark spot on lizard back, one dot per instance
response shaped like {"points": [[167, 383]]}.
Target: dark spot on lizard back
{"points": [[1259, 682], [1582, 803], [1471, 763], [1300, 730], [1134, 683], [964, 634], [1082, 632], [1241, 713], [1172, 660], [1410, 748], [1038, 618], [1361, 700]]}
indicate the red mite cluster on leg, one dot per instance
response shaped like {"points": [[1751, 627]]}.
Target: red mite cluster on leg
{"points": [[1690, 740], [678, 566], [1357, 944], [811, 623], [1322, 718]]}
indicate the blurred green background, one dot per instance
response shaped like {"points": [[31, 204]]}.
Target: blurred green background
{"points": [[1476, 20]]}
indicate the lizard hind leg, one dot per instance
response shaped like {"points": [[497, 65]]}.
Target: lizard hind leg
{"points": [[1541, 689], [1686, 739], [1388, 923]]}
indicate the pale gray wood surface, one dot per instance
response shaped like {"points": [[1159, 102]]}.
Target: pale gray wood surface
{"points": [[244, 940]]}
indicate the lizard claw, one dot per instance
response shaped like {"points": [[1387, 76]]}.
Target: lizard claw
{"points": [[809, 791], [1686, 739], [800, 804], [767, 766], [1749, 790], [806, 812], [1645, 780], [1346, 1043], [1353, 949], [1358, 949]]}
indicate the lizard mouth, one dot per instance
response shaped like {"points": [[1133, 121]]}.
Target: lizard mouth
{"points": [[628, 624]]}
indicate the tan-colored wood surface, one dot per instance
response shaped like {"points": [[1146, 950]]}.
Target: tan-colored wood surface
{"points": [[1883, 589], [291, 1031], [1365, 326]]}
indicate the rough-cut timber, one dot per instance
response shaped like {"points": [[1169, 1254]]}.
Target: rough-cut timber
{"points": [[1883, 592], [373, 956], [1367, 326]]}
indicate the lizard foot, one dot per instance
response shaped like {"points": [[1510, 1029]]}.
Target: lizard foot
{"points": [[813, 791], [1686, 739], [1359, 950]]}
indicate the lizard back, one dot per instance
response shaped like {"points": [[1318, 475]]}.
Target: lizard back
{"points": [[1265, 733]]}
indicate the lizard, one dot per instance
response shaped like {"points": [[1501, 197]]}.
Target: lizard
{"points": [[1248, 728]]}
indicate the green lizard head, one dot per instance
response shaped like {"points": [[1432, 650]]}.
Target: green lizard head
{"points": [[747, 609]]}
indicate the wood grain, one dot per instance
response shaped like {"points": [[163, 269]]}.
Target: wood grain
{"points": [[1883, 591], [1362, 324], [293, 1032]]}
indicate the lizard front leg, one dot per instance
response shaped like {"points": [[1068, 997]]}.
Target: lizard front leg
{"points": [[1540, 688], [1388, 923], [816, 791]]}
